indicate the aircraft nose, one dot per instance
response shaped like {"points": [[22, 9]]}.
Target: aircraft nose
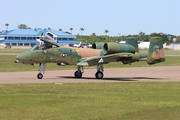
{"points": [[17, 59], [21, 57]]}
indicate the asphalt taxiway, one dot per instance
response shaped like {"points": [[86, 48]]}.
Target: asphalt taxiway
{"points": [[134, 74]]}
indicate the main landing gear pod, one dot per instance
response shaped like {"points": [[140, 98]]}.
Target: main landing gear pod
{"points": [[99, 74], [79, 72]]}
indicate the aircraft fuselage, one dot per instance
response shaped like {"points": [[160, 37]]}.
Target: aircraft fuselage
{"points": [[69, 56]]}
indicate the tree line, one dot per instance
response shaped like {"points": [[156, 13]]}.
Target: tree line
{"points": [[141, 36]]}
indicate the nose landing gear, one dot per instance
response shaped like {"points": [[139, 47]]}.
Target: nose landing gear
{"points": [[40, 76], [42, 69]]}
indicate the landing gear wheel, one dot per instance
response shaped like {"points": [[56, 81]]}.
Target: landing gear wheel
{"points": [[39, 76], [99, 75], [78, 74]]}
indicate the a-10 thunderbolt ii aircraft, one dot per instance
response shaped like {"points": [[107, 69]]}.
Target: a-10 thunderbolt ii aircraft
{"points": [[103, 53]]}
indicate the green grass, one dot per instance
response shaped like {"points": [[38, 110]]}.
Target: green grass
{"points": [[87, 101], [12, 50], [166, 51], [91, 101], [7, 64]]}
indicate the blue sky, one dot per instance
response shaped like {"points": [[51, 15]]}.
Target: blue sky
{"points": [[125, 17]]}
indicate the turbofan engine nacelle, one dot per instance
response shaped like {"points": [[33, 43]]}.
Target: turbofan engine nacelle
{"points": [[113, 47], [98, 45]]}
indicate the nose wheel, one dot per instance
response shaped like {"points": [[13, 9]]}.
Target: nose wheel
{"points": [[42, 69], [39, 76]]}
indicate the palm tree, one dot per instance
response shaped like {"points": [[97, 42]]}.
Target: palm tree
{"points": [[81, 29], [141, 35], [7, 25], [93, 35], [106, 31], [60, 30], [22, 26], [71, 30]]}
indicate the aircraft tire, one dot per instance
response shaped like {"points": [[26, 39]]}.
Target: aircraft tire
{"points": [[78, 74], [39, 76], [99, 75]]}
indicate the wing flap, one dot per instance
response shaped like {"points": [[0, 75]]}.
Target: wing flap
{"points": [[106, 59]]}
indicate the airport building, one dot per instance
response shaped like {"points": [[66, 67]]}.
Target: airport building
{"points": [[30, 37]]}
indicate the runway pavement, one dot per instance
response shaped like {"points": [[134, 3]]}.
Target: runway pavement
{"points": [[135, 74]]}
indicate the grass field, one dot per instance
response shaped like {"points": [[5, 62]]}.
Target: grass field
{"points": [[166, 51], [92, 101], [12, 50], [89, 101]]}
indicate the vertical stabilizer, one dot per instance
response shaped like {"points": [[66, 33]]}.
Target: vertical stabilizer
{"points": [[132, 41], [156, 51]]}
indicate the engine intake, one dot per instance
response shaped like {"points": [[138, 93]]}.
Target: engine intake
{"points": [[98, 45]]}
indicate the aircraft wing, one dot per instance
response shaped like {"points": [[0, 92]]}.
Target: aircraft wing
{"points": [[106, 59]]}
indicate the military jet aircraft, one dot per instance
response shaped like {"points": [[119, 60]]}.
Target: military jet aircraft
{"points": [[103, 53]]}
